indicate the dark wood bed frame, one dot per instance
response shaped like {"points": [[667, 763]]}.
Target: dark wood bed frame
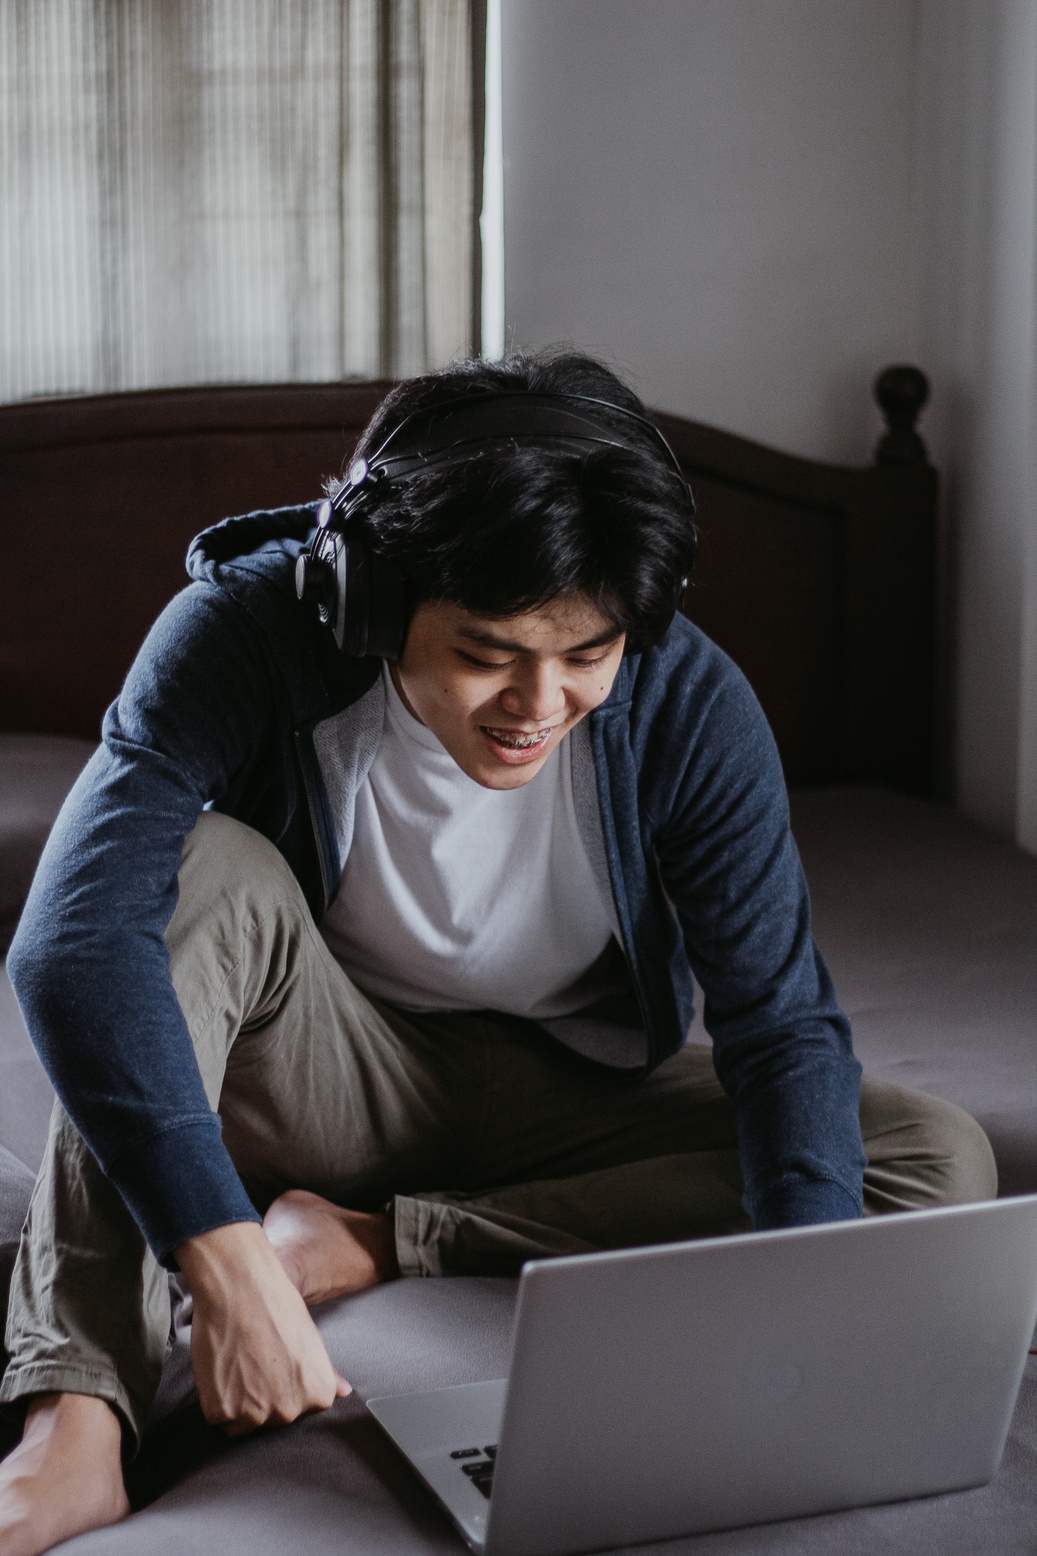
{"points": [[820, 581]]}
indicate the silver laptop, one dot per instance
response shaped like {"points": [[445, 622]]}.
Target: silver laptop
{"points": [[670, 1390]]}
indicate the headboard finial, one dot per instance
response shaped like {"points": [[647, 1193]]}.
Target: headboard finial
{"points": [[901, 392]]}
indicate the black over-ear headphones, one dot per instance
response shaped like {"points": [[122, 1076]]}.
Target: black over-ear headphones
{"points": [[361, 595]]}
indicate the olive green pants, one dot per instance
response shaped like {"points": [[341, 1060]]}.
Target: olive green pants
{"points": [[490, 1144]]}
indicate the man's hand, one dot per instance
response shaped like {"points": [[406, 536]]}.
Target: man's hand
{"points": [[255, 1350]]}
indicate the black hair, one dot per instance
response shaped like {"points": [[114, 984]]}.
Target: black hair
{"points": [[521, 526]]}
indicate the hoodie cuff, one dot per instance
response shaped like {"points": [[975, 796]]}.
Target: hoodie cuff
{"points": [[181, 1183], [804, 1202]]}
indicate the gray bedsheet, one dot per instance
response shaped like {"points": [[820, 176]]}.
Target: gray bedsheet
{"points": [[929, 925]]}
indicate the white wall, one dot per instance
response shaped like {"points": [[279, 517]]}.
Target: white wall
{"points": [[717, 195], [978, 183], [750, 206]]}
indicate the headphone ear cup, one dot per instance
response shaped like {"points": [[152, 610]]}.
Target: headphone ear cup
{"points": [[354, 595], [319, 578], [340, 562], [362, 597], [388, 616]]}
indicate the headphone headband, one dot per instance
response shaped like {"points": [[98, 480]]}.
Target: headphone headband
{"points": [[448, 432]]}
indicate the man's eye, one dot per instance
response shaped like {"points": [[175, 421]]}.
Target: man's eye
{"points": [[588, 664], [482, 664]]}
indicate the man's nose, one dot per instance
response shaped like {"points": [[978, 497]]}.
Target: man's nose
{"points": [[536, 694]]}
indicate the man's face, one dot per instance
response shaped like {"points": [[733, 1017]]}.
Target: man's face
{"points": [[500, 692]]}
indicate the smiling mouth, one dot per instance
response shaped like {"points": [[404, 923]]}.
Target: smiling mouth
{"points": [[518, 740]]}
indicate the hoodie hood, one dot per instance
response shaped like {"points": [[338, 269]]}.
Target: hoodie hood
{"points": [[264, 544], [252, 559]]}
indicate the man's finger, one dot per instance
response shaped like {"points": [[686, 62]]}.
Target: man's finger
{"points": [[342, 1388]]}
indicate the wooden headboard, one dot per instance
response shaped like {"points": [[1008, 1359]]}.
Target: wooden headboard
{"points": [[818, 580]]}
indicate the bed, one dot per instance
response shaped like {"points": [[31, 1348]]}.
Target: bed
{"points": [[822, 584]]}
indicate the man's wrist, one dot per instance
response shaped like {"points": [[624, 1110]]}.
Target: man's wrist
{"points": [[180, 1183], [213, 1257]]}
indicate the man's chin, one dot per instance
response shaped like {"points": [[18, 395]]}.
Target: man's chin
{"points": [[496, 775], [490, 768]]}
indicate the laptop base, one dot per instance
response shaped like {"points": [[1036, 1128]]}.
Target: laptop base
{"points": [[436, 1432]]}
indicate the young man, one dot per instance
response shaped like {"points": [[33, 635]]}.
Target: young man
{"points": [[423, 929]]}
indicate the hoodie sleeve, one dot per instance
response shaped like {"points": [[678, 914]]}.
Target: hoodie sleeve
{"points": [[781, 1044], [89, 962]]}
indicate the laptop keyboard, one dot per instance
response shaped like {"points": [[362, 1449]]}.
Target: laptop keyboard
{"points": [[477, 1464]]}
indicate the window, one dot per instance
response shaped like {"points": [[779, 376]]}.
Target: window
{"points": [[204, 191]]}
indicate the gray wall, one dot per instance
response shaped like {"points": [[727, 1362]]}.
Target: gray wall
{"points": [[977, 278], [717, 195], [751, 206]]}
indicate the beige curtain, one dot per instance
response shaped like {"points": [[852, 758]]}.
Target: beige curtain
{"points": [[212, 191]]}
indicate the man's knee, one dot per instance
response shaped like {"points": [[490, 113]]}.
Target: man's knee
{"points": [[226, 852], [235, 937], [230, 873], [922, 1151]]}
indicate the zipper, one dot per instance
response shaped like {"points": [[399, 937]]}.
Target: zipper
{"points": [[614, 864], [311, 806]]}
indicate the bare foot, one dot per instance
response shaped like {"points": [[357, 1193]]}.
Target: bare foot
{"points": [[327, 1251], [64, 1477]]}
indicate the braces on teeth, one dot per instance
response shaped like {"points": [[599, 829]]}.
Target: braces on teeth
{"points": [[519, 741]]}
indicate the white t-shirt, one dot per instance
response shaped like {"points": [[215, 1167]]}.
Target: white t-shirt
{"points": [[457, 897]]}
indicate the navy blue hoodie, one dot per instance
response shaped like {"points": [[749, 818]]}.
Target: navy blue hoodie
{"points": [[219, 710]]}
